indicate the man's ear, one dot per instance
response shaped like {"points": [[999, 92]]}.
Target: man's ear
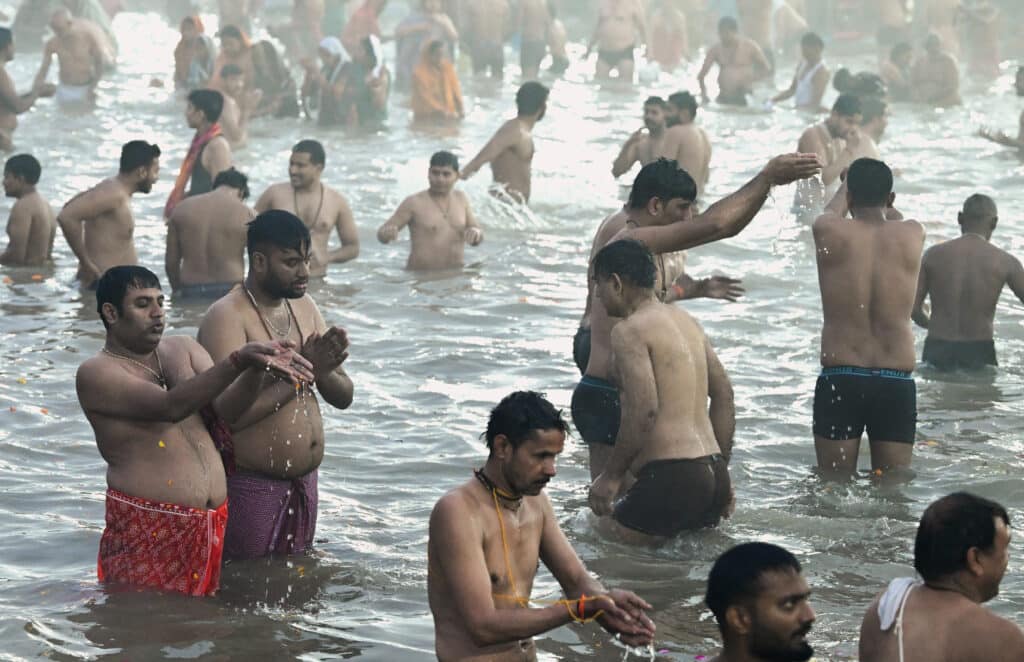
{"points": [[109, 313]]}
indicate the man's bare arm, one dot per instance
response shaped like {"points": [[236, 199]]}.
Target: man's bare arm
{"points": [[221, 333], [456, 538], [217, 156], [19, 228], [44, 67], [10, 98], [639, 393], [347, 234], [728, 216], [473, 234], [627, 155], [335, 386], [1015, 279], [502, 140], [789, 91], [172, 254], [401, 218], [709, 61], [84, 208], [918, 314], [722, 409]]}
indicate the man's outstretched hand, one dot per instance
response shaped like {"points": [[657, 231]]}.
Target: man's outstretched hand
{"points": [[788, 168]]}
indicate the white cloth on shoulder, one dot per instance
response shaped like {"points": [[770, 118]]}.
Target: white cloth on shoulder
{"points": [[890, 607]]}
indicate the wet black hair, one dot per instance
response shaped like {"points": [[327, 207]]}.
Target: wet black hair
{"points": [[656, 101], [276, 228], [662, 179], [315, 150], [530, 97], [115, 282], [137, 154], [869, 182], [863, 84], [684, 101], [444, 159], [871, 108], [629, 259], [949, 528], [25, 166], [736, 575], [229, 70], [812, 39], [6, 37], [728, 23], [521, 414], [847, 105], [210, 102], [234, 179]]}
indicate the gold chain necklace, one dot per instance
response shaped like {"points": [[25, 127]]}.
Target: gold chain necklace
{"points": [[158, 373]]}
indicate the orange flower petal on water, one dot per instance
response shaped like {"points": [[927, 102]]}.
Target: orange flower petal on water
{"points": [[8, 280], [44, 410], [37, 277], [22, 380], [161, 444], [14, 409], [170, 482]]}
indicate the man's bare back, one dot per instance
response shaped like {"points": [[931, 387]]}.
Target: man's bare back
{"points": [[438, 230], [289, 442], [206, 239], [692, 151], [323, 210], [512, 166], [868, 275], [31, 229], [161, 461], [941, 626]]}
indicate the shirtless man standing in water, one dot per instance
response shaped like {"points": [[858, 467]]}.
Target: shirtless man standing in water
{"points": [[11, 103], [867, 269], [510, 151], [836, 141], [205, 254], [670, 463], [98, 223], [81, 58], [155, 404], [273, 493], [440, 219], [740, 62], [684, 143], [621, 29], [660, 213], [320, 207], [479, 583], [964, 278], [31, 227]]}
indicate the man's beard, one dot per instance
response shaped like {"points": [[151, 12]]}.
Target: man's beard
{"points": [[278, 290], [767, 646]]}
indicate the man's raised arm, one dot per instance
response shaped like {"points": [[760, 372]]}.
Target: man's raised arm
{"points": [[728, 216], [502, 140]]}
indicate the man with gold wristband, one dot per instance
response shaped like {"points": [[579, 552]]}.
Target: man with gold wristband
{"points": [[488, 536]]}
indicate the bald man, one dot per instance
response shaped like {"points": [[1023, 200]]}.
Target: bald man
{"points": [[964, 278]]}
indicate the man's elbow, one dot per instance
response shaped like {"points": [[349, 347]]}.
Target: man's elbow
{"points": [[483, 631]]}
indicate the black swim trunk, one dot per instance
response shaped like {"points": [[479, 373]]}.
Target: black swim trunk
{"points": [[671, 496], [596, 410], [959, 354], [208, 291], [614, 58], [848, 400], [531, 53], [581, 348], [734, 99], [488, 55]]}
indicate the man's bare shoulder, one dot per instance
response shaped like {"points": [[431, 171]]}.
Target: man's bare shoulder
{"points": [[336, 196], [457, 505], [226, 310], [908, 226], [278, 189]]}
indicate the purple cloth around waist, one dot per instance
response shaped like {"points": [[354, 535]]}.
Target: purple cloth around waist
{"points": [[270, 516]]}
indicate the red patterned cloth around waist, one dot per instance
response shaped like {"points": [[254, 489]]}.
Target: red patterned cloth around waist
{"points": [[162, 545]]}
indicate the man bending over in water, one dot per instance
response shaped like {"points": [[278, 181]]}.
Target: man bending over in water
{"points": [[964, 278], [155, 405], [440, 219], [31, 226], [205, 254], [665, 369], [320, 207], [867, 269], [488, 537], [274, 491], [660, 214], [961, 553], [80, 55], [98, 223], [510, 151], [740, 62]]}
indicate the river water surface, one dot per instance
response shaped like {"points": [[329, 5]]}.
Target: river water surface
{"points": [[431, 355]]}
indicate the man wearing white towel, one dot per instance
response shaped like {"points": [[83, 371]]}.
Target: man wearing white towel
{"points": [[961, 553]]}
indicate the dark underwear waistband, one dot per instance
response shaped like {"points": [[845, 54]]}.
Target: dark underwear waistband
{"points": [[597, 382], [856, 371]]}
